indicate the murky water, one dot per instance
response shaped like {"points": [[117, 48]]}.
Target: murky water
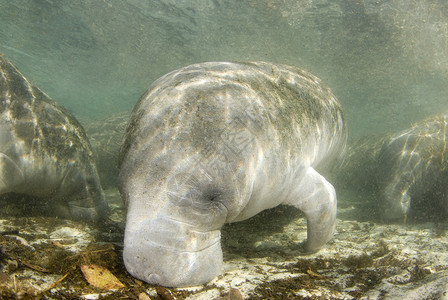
{"points": [[387, 61]]}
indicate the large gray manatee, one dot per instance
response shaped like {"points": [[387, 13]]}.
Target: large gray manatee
{"points": [[44, 151], [219, 142]]}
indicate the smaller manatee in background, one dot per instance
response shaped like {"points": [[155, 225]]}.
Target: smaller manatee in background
{"points": [[407, 171], [44, 151]]}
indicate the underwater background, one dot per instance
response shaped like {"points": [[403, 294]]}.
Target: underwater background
{"points": [[386, 61]]}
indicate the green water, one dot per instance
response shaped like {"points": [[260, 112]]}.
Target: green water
{"points": [[387, 61]]}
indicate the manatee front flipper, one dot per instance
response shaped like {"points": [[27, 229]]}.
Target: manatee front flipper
{"points": [[316, 197], [79, 195], [10, 174]]}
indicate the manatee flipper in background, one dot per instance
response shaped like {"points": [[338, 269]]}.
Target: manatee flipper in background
{"points": [[316, 197], [10, 174], [80, 195]]}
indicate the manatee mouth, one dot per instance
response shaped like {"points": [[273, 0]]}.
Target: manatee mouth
{"points": [[192, 232], [175, 235], [161, 245], [181, 244], [159, 254]]}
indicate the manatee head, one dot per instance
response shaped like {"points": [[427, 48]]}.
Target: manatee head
{"points": [[172, 235]]}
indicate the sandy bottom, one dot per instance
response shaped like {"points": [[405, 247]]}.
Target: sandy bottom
{"points": [[41, 258]]}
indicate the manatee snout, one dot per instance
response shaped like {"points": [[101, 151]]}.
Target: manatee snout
{"points": [[171, 253], [181, 246], [176, 243]]}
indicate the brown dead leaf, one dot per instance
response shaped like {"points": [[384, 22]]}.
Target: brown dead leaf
{"points": [[314, 274], [164, 293], [235, 294], [57, 244], [4, 279], [101, 277], [143, 296]]}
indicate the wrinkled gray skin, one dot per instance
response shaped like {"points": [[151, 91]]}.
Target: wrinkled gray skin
{"points": [[44, 151], [412, 170], [219, 142]]}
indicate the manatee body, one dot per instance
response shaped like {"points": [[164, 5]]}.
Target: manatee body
{"points": [[412, 172], [44, 151], [219, 142]]}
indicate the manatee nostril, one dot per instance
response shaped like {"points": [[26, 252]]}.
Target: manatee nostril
{"points": [[204, 194], [212, 195]]}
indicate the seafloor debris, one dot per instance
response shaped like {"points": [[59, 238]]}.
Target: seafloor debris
{"points": [[164, 293], [263, 259], [235, 294], [101, 277]]}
